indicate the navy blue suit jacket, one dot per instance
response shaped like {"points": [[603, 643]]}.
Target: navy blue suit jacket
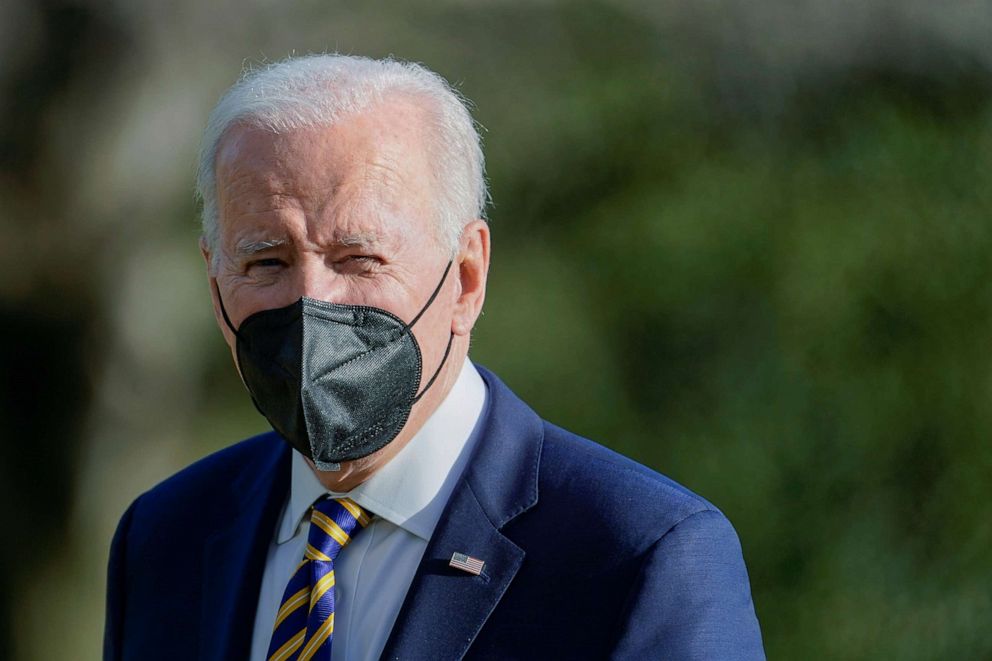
{"points": [[588, 555]]}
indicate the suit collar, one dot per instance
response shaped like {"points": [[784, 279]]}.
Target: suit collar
{"points": [[445, 608], [234, 556], [503, 473]]}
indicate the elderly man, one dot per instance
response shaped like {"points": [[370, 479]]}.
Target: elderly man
{"points": [[407, 505]]}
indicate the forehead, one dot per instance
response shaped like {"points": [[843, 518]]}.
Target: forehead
{"points": [[367, 175]]}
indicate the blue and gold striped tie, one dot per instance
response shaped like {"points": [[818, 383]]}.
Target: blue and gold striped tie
{"points": [[304, 624]]}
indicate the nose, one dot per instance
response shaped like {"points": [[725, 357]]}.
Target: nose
{"points": [[315, 278]]}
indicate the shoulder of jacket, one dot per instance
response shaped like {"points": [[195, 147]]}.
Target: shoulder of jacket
{"points": [[204, 478], [600, 480]]}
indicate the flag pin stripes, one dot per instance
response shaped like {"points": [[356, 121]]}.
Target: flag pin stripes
{"points": [[466, 563]]}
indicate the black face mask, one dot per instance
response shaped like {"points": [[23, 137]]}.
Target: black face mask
{"points": [[336, 381]]}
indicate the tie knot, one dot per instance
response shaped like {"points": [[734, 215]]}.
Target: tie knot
{"points": [[333, 522]]}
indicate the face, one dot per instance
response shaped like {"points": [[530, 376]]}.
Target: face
{"points": [[346, 215]]}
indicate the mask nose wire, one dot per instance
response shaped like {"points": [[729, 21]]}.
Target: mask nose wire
{"points": [[437, 290], [223, 311]]}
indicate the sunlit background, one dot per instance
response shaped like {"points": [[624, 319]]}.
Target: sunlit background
{"points": [[746, 242]]}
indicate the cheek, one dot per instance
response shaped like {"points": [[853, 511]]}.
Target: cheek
{"points": [[225, 330], [226, 313], [242, 298], [234, 357], [435, 326]]}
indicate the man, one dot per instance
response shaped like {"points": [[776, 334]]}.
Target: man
{"points": [[408, 506]]}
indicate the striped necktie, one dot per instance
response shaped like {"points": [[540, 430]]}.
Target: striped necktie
{"points": [[304, 625]]}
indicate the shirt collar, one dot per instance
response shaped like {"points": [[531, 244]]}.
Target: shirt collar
{"points": [[412, 489]]}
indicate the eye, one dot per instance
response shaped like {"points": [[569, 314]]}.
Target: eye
{"points": [[359, 259], [358, 264], [265, 263]]}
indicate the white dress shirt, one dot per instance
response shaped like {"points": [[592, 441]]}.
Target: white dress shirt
{"points": [[407, 496]]}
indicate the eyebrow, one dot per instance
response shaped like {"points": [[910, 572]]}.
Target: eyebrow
{"points": [[249, 248], [360, 240]]}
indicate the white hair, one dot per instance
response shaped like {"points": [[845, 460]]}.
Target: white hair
{"points": [[317, 90]]}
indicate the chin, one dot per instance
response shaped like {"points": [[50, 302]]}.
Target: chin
{"points": [[352, 472]]}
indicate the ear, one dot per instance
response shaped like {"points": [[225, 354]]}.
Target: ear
{"points": [[205, 251], [472, 264]]}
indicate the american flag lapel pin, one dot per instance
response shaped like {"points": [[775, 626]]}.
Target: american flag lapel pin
{"points": [[466, 563]]}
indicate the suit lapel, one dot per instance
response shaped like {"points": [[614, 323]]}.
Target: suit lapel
{"points": [[235, 555], [445, 608]]}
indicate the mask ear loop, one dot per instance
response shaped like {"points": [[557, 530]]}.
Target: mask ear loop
{"points": [[223, 312], [437, 290], [451, 336], [430, 383], [227, 320]]}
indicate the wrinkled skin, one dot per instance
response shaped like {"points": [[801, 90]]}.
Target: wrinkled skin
{"points": [[345, 214]]}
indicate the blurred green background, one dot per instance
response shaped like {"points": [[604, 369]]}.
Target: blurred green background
{"points": [[747, 243]]}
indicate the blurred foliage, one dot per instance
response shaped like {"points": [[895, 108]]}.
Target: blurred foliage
{"points": [[747, 244]]}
